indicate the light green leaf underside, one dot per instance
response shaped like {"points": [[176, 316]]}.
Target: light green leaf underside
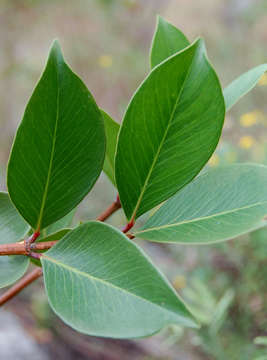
{"points": [[167, 41], [12, 228], [102, 284], [219, 205], [242, 85], [170, 129], [112, 129], [12, 268], [59, 149]]}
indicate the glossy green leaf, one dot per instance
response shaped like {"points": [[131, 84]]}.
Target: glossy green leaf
{"points": [[242, 85], [219, 205], [102, 284], [170, 130], [167, 41], [59, 149], [112, 129], [12, 228]]}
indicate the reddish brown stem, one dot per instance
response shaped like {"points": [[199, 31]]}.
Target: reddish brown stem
{"points": [[128, 226], [31, 240], [130, 236], [20, 285], [20, 249], [110, 210]]}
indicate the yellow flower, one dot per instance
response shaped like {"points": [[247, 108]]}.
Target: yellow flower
{"points": [[246, 142], [263, 80], [250, 119], [214, 160], [105, 61]]}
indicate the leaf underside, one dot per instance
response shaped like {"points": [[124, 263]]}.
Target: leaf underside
{"points": [[102, 284], [12, 228], [220, 204], [242, 85]]}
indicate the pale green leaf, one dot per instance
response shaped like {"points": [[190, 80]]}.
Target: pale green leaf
{"points": [[170, 130], [102, 284], [242, 85], [59, 149], [219, 205], [167, 41], [12, 228]]}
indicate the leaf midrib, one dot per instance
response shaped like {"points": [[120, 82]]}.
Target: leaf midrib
{"points": [[91, 277], [161, 143], [201, 218], [39, 221]]}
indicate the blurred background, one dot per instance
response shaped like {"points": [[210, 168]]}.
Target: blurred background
{"points": [[107, 43]]}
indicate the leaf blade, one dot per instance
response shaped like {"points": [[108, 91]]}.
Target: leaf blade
{"points": [[112, 129], [154, 157], [216, 206], [111, 280], [12, 228], [167, 41], [242, 85], [58, 151]]}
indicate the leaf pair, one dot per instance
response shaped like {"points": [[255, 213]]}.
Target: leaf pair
{"points": [[173, 122], [171, 128], [168, 40]]}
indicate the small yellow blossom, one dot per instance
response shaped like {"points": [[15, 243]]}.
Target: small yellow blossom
{"points": [[179, 282], [263, 80], [246, 142], [105, 61], [250, 119], [214, 160]]}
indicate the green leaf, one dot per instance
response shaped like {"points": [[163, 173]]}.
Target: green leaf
{"points": [[112, 129], [167, 41], [54, 236], [171, 128], [219, 205], [65, 222], [102, 284], [242, 85], [12, 268], [59, 149], [12, 228]]}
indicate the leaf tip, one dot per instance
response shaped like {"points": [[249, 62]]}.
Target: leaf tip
{"points": [[55, 51]]}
